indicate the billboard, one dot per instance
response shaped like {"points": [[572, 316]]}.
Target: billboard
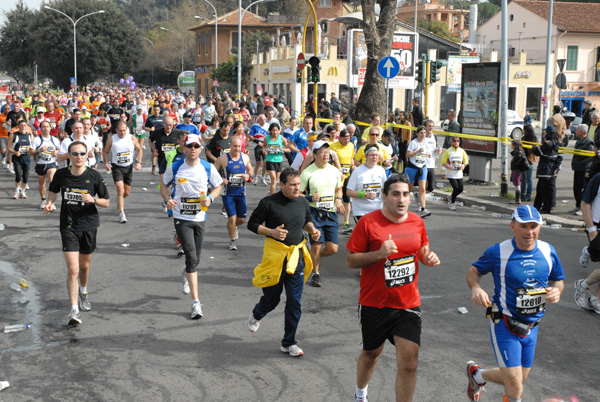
{"points": [[454, 70], [404, 49], [480, 99], [186, 81]]}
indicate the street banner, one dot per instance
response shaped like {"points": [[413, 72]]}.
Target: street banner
{"points": [[454, 70]]}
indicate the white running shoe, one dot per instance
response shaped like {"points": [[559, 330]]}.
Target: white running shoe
{"points": [[232, 245], [582, 295], [17, 193], [185, 286], [293, 350], [253, 324], [43, 204], [23, 194], [424, 213], [196, 311], [54, 207], [122, 218], [74, 319], [452, 206], [595, 304], [584, 259], [26, 186]]}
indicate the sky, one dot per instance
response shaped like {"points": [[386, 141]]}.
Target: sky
{"points": [[10, 5]]}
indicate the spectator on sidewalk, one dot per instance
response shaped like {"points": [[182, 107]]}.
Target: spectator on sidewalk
{"points": [[529, 139], [588, 110], [548, 168], [581, 166]]}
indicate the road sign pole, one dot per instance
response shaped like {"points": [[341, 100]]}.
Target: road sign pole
{"points": [[387, 98]]}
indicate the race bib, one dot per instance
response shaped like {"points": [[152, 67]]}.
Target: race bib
{"points": [[420, 159], [103, 126], [181, 180], [52, 125], [345, 169], [456, 162], [189, 206], [236, 180], [124, 158], [325, 203], [531, 300], [399, 271], [46, 156], [168, 147], [73, 196], [273, 150], [24, 149], [374, 188]]}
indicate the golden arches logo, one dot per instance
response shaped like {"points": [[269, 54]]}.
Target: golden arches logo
{"points": [[332, 71]]}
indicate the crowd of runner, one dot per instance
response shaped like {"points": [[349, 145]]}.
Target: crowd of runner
{"points": [[213, 147]]}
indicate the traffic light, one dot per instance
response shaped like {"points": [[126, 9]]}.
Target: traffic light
{"points": [[434, 72], [420, 72], [298, 75], [314, 69]]}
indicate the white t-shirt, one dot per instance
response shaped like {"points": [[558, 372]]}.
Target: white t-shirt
{"points": [[189, 184], [367, 180], [419, 159], [51, 144], [90, 141], [430, 147]]}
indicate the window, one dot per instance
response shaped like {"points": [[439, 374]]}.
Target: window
{"points": [[324, 3], [534, 100], [234, 40], [199, 45], [572, 57]]}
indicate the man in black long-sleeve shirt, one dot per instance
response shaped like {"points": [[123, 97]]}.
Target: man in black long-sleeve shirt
{"points": [[282, 217]]}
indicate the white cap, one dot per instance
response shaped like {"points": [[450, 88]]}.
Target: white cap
{"points": [[317, 145], [192, 138]]}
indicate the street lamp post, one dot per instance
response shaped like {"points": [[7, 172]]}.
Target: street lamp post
{"points": [[152, 43], [75, 34], [239, 60], [180, 37], [216, 32]]}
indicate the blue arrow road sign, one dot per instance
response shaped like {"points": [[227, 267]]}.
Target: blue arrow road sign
{"points": [[388, 67]]}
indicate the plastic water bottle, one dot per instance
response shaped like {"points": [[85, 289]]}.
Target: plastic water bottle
{"points": [[495, 215], [475, 206], [23, 282], [4, 385], [2, 226], [15, 287], [555, 226], [16, 327]]}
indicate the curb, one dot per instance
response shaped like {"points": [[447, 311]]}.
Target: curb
{"points": [[508, 209]]}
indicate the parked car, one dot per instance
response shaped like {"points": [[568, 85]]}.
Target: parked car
{"points": [[515, 124], [573, 128]]}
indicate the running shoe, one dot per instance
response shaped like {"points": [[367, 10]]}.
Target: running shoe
{"points": [[54, 207], [251, 180], [26, 186], [10, 169], [360, 398], [315, 281], [584, 259], [452, 206], [253, 324], [223, 212], [74, 319], [196, 311], [595, 304], [237, 235], [84, 302], [232, 245], [255, 181], [164, 207], [122, 218], [185, 286], [347, 228], [293, 350], [474, 389], [582, 295], [17, 193], [180, 252], [24, 194], [424, 213], [43, 204], [263, 181]]}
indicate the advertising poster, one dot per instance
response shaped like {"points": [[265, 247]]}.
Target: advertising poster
{"points": [[480, 99], [454, 70], [404, 49]]}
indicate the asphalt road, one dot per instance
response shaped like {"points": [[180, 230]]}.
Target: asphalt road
{"points": [[139, 344]]}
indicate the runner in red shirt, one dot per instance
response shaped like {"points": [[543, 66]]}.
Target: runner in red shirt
{"points": [[387, 245], [53, 116]]}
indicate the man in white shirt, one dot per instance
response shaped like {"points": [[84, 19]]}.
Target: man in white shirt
{"points": [[433, 152]]}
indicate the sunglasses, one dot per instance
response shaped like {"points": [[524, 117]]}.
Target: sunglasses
{"points": [[374, 135], [78, 153], [455, 140], [190, 146]]}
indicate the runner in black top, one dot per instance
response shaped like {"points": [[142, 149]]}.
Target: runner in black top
{"points": [[115, 115], [220, 143], [79, 221]]}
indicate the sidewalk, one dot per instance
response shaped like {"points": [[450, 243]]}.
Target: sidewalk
{"points": [[489, 195]]}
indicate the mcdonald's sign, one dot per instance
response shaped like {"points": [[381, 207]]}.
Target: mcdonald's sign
{"points": [[332, 71]]}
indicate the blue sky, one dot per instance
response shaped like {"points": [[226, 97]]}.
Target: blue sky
{"points": [[9, 5]]}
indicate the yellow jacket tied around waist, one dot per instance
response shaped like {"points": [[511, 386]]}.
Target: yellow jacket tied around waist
{"points": [[268, 272]]}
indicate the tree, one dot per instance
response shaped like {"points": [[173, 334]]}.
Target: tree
{"points": [[379, 37], [440, 28], [106, 43], [15, 43], [249, 47], [485, 11]]}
